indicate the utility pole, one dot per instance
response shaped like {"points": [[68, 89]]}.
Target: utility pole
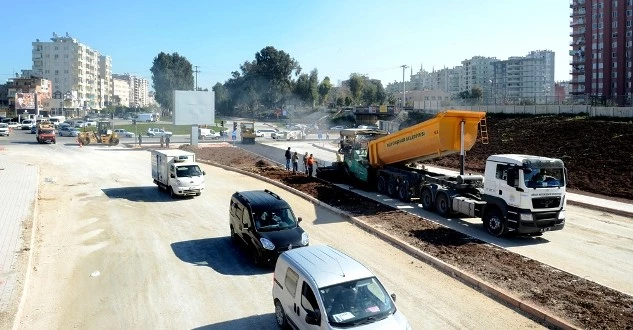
{"points": [[196, 72], [404, 90]]}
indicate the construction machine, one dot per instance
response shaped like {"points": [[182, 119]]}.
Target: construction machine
{"points": [[103, 135], [247, 132], [509, 197]]}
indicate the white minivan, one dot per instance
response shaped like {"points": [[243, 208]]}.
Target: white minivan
{"points": [[319, 287]]}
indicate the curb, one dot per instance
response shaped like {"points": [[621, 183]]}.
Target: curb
{"points": [[496, 293]]}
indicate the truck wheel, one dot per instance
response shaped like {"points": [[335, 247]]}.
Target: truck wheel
{"points": [[403, 191], [426, 197], [382, 185], [495, 223], [392, 187], [172, 194], [441, 204]]}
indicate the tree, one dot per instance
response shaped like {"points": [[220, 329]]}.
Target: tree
{"points": [[324, 89], [476, 92], [170, 72], [302, 88], [221, 98], [348, 101], [339, 101], [381, 95], [369, 94], [313, 96], [356, 85]]}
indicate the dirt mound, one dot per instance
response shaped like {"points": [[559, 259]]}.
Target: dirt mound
{"points": [[581, 302]]}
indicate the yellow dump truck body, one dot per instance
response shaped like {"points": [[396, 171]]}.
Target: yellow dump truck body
{"points": [[430, 139]]}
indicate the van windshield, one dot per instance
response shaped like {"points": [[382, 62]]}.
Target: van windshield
{"points": [[356, 302], [271, 220]]}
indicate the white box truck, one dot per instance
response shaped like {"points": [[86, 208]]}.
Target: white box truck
{"points": [[177, 172]]}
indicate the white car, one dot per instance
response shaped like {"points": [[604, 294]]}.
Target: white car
{"points": [[13, 124], [4, 129], [91, 123], [158, 132], [265, 132], [68, 131], [27, 124], [123, 133]]}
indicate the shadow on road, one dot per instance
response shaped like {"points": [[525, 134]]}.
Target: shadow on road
{"points": [[259, 322], [139, 194], [219, 253]]}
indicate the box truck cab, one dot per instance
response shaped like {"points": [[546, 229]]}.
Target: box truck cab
{"points": [[319, 287], [177, 172]]}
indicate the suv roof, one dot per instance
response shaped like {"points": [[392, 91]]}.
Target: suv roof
{"points": [[261, 199], [326, 265]]}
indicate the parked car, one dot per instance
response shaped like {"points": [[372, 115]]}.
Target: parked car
{"points": [[68, 131], [206, 133], [265, 224], [265, 132], [90, 123], [4, 129], [319, 287], [123, 133], [13, 124], [157, 132]]}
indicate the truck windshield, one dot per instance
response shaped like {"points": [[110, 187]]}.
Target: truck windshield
{"points": [[544, 177], [188, 171]]}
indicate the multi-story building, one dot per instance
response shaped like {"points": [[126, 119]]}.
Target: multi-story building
{"points": [[120, 91], [478, 71], [29, 96], [602, 47], [525, 79], [105, 80], [562, 91], [74, 70], [138, 90]]}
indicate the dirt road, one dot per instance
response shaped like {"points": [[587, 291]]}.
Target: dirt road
{"points": [[112, 251]]}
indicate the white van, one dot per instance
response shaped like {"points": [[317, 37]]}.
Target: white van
{"points": [[319, 287]]}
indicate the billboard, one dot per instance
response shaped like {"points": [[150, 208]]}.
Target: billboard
{"points": [[24, 101], [194, 107]]}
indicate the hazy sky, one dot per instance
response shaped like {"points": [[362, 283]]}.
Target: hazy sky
{"points": [[337, 37]]}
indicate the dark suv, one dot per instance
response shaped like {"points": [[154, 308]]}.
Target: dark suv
{"points": [[265, 223]]}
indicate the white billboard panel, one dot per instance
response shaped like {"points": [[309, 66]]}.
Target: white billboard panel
{"points": [[194, 107]]}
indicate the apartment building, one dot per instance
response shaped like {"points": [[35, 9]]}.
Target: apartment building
{"points": [[29, 96], [522, 79], [138, 90], [105, 81], [602, 46], [74, 70], [120, 91]]}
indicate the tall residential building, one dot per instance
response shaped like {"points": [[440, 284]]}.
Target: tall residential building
{"points": [[602, 40], [524, 79], [139, 90], [120, 91], [478, 71], [105, 80], [74, 70]]}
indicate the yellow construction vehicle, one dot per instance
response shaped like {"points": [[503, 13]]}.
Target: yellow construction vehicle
{"points": [[247, 131], [103, 135]]}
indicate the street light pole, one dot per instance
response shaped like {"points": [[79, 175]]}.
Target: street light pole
{"points": [[404, 90]]}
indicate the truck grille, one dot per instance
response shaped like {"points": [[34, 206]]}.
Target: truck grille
{"points": [[545, 202]]}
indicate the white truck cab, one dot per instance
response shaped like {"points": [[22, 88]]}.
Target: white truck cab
{"points": [[319, 287], [177, 172]]}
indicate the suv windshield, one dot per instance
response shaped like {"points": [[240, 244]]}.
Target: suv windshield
{"points": [[269, 220], [188, 171], [356, 302]]}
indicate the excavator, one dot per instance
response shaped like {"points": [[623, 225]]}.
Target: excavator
{"points": [[504, 197], [103, 135]]}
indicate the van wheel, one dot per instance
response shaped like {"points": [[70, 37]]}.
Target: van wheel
{"points": [[280, 315]]}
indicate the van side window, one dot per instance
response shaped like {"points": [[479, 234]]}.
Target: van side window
{"points": [[238, 212], [246, 217], [291, 281], [308, 300]]}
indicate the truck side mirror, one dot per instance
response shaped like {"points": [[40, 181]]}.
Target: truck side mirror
{"points": [[313, 318]]}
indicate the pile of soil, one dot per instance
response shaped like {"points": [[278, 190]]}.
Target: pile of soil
{"points": [[579, 301]]}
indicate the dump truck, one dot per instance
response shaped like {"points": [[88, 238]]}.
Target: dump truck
{"points": [[45, 132], [103, 135], [177, 172], [247, 132], [516, 194]]}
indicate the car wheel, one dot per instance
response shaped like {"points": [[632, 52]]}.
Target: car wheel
{"points": [[280, 315]]}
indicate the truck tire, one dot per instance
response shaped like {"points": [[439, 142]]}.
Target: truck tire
{"points": [[392, 187], [172, 194], [495, 223], [442, 206], [382, 185], [404, 193], [426, 198]]}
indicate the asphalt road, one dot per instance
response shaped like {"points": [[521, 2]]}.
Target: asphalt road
{"points": [[112, 251]]}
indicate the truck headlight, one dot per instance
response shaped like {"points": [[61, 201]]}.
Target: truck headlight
{"points": [[527, 217], [561, 215], [266, 244], [305, 240]]}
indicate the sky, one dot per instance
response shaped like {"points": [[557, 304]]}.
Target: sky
{"points": [[336, 37]]}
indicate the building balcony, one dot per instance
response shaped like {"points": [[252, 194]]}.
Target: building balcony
{"points": [[577, 60], [577, 22], [579, 32], [576, 3], [577, 72], [578, 12]]}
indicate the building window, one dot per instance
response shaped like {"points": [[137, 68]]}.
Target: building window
{"points": [[628, 23], [614, 24], [629, 13], [614, 44], [614, 14], [600, 85], [613, 55], [56, 72], [615, 64], [614, 85], [614, 74], [56, 55]]}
